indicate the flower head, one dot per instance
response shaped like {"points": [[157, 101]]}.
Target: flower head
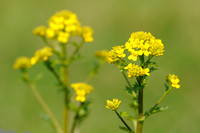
{"points": [[116, 54], [101, 54], [41, 54], [87, 33], [81, 89], [174, 80], [22, 63], [113, 104], [135, 70], [39, 31], [143, 43]]}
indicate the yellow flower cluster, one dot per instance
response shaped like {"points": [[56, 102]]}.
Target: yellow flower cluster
{"points": [[63, 25], [116, 54], [113, 104], [41, 54], [82, 89], [174, 80], [22, 63], [143, 43], [135, 70]]}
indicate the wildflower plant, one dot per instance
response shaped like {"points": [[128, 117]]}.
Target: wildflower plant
{"points": [[135, 61], [58, 37]]}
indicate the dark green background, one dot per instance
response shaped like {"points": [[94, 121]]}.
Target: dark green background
{"points": [[177, 23]]}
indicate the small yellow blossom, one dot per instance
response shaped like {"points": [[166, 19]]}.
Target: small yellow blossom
{"points": [[134, 55], [113, 105], [87, 33], [81, 89], [63, 37], [41, 54], [22, 63], [50, 33], [174, 80], [39, 31], [116, 54], [135, 70]]}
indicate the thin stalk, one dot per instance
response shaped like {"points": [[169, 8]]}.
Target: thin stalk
{"points": [[64, 73], [74, 124], [128, 82], [159, 101], [42, 103], [123, 121], [75, 52]]}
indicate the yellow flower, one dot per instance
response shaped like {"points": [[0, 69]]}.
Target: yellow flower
{"points": [[41, 54], [113, 104], [115, 54], [174, 80], [135, 70], [39, 31], [63, 37], [144, 43], [81, 89], [134, 55], [87, 33], [50, 33], [22, 63]]}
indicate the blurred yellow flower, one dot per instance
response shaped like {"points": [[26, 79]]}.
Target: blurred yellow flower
{"points": [[174, 80], [81, 89], [39, 31], [113, 105], [116, 54], [63, 37], [22, 63], [87, 33], [41, 54]]}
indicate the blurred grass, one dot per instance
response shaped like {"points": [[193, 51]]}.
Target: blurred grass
{"points": [[175, 22]]}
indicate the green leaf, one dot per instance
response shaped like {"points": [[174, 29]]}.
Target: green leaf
{"points": [[134, 104], [159, 109], [72, 107], [129, 90], [136, 87], [123, 114], [124, 128], [131, 118], [151, 69], [166, 87]]}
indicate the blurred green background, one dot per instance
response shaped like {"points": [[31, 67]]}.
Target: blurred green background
{"points": [[177, 23]]}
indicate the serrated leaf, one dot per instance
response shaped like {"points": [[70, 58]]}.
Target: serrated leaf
{"points": [[136, 87]]}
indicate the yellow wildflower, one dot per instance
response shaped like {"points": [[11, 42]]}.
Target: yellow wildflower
{"points": [[144, 43], [41, 54], [22, 63], [87, 33], [174, 80], [39, 31], [115, 54], [81, 89], [134, 55], [113, 105], [50, 33], [135, 70], [63, 37]]}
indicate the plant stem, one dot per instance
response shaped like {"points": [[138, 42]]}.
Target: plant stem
{"points": [[140, 107], [64, 73], [126, 79], [123, 121], [42, 102], [159, 101], [74, 124]]}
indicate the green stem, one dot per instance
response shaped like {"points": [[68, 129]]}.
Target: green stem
{"points": [[123, 121], [42, 102], [158, 102], [74, 124], [75, 52], [128, 82], [140, 107]]}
